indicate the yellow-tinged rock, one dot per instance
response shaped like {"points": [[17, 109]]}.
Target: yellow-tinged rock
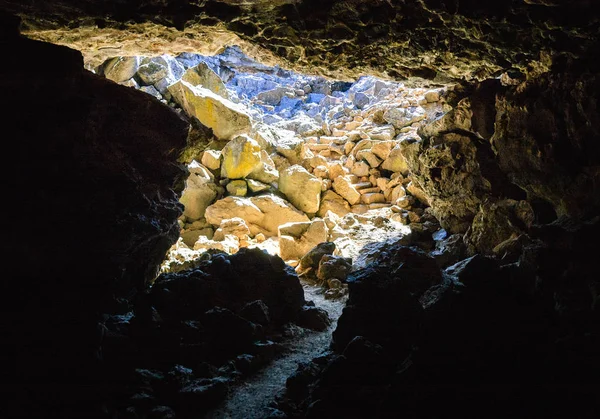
{"points": [[395, 162], [224, 117], [241, 156], [237, 188]]}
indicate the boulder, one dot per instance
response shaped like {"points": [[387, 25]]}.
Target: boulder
{"points": [[360, 169], [395, 161], [331, 201], [203, 76], [382, 133], [237, 188], [152, 70], [200, 191], [229, 244], [249, 275], [382, 149], [265, 172], [120, 69], [212, 159], [346, 190], [224, 117], [402, 117], [256, 186], [361, 100], [334, 267], [241, 156], [235, 227], [301, 188], [297, 239], [273, 97], [263, 214], [312, 259]]}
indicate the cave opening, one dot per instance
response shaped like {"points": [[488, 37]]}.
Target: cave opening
{"points": [[284, 161]]}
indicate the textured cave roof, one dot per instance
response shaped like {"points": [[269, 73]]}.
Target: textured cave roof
{"points": [[433, 39]]}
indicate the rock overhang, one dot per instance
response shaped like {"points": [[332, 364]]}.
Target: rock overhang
{"points": [[430, 39]]}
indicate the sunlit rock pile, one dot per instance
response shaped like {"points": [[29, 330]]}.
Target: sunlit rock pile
{"points": [[295, 160]]}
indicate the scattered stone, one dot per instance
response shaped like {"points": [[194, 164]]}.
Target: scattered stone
{"points": [[237, 188], [211, 159], [395, 162], [332, 202], [263, 214]]}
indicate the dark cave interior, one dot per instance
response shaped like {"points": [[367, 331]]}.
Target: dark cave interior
{"points": [[93, 201]]}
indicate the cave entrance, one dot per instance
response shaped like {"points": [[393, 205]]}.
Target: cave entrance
{"points": [[284, 161]]}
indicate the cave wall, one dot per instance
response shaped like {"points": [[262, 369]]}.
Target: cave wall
{"points": [[90, 181]]}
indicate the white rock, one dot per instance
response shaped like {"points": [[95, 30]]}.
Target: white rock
{"points": [[203, 76], [200, 191], [402, 117], [234, 226], [301, 188]]}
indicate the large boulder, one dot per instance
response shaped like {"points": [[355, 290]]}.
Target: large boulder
{"points": [[241, 156], [301, 188], [224, 117], [231, 281], [120, 69], [263, 214]]}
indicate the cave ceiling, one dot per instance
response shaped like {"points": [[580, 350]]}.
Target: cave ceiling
{"points": [[433, 39]]}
